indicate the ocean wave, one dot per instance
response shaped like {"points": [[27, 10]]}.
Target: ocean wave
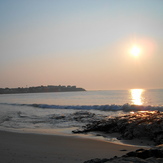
{"points": [[113, 107]]}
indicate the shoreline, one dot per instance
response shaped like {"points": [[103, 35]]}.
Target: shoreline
{"points": [[108, 138], [30, 147]]}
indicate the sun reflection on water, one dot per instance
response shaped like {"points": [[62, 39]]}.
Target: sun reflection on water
{"points": [[136, 96]]}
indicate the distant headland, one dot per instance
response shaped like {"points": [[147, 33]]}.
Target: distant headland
{"points": [[40, 89]]}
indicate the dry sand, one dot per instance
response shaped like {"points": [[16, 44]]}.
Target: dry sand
{"points": [[37, 148]]}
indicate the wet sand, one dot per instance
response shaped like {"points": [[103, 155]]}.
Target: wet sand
{"points": [[37, 148]]}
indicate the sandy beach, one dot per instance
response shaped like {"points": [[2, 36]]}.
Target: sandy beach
{"points": [[37, 148]]}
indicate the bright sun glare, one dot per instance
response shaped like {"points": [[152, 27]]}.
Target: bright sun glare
{"points": [[136, 96], [135, 51]]}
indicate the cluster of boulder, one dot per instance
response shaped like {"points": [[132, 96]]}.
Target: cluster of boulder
{"points": [[147, 124], [79, 118], [153, 155]]}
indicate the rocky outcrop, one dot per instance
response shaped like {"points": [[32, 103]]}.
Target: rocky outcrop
{"points": [[153, 155], [147, 125], [79, 116]]}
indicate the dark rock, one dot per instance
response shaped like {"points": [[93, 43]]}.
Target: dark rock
{"points": [[153, 155], [142, 153], [97, 160], [60, 117], [130, 160], [123, 150], [147, 125]]}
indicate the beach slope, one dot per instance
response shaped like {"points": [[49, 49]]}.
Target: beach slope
{"points": [[37, 148]]}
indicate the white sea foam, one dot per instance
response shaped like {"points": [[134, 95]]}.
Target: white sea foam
{"points": [[113, 107]]}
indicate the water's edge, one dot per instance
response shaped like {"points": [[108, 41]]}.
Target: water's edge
{"points": [[109, 138]]}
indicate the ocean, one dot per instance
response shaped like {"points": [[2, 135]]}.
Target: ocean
{"points": [[69, 110]]}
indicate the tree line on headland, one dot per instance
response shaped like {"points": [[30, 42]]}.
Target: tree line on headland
{"points": [[40, 89]]}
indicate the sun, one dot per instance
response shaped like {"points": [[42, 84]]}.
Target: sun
{"points": [[135, 51]]}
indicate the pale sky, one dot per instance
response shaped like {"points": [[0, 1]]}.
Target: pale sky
{"points": [[81, 42]]}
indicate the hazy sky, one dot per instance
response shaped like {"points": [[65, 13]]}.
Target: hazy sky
{"points": [[81, 42]]}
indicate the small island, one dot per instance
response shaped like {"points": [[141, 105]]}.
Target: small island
{"points": [[40, 89]]}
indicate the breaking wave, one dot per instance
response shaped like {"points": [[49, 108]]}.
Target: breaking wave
{"points": [[113, 107]]}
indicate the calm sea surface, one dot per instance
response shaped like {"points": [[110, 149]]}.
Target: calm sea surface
{"points": [[117, 97], [72, 109]]}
